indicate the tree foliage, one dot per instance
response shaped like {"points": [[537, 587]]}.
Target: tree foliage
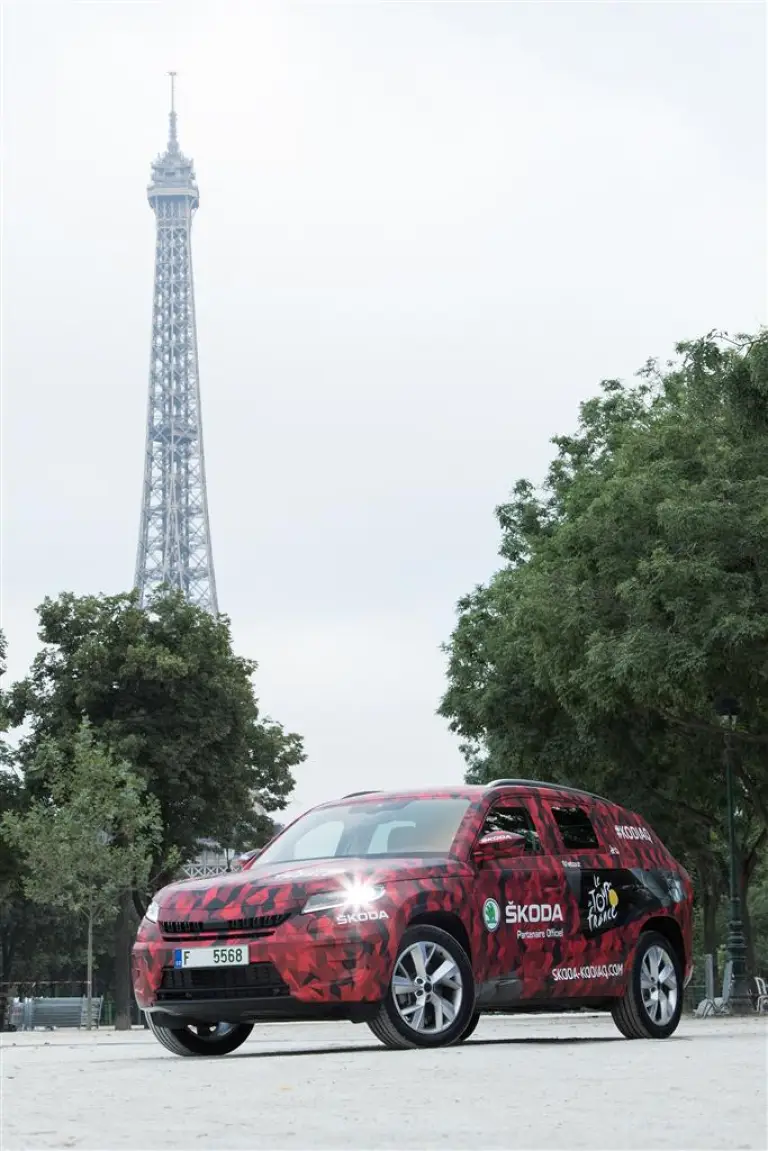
{"points": [[36, 943], [92, 837], [161, 689], [12, 799], [634, 590]]}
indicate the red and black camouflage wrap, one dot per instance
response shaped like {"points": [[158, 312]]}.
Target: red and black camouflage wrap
{"points": [[579, 944]]}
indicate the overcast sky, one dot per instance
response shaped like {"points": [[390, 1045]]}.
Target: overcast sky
{"points": [[426, 232]]}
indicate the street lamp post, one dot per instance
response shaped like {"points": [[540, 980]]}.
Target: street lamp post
{"points": [[739, 1002]]}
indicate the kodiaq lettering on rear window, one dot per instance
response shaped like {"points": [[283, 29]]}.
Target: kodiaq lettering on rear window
{"points": [[534, 913], [624, 831], [361, 917]]}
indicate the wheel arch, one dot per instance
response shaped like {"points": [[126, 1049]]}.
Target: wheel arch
{"points": [[449, 922], [670, 929]]}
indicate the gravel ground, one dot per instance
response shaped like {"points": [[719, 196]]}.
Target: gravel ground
{"points": [[533, 1082]]}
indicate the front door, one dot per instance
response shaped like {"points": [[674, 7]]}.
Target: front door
{"points": [[522, 906]]}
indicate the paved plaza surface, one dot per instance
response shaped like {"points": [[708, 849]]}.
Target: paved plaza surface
{"points": [[530, 1082]]}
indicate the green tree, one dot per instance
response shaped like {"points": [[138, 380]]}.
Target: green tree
{"points": [[633, 591], [759, 917], [90, 840], [36, 944], [12, 799], [12, 910], [164, 692]]}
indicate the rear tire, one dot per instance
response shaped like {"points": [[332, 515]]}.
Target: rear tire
{"points": [[653, 1002], [430, 1000], [470, 1029], [215, 1039]]}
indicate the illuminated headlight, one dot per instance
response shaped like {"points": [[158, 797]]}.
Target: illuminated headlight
{"points": [[358, 895], [153, 912]]}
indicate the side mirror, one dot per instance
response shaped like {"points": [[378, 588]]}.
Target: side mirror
{"points": [[499, 845], [241, 862]]}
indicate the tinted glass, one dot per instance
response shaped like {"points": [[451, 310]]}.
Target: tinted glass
{"points": [[515, 819], [576, 830], [391, 827]]}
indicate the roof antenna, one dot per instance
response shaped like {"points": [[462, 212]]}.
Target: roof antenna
{"points": [[173, 143]]}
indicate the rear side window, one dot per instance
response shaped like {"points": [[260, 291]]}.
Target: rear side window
{"points": [[575, 827], [515, 819]]}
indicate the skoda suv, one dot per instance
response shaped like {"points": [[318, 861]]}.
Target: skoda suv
{"points": [[416, 912]]}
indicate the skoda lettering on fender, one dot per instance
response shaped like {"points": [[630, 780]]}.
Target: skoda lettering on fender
{"points": [[416, 912]]}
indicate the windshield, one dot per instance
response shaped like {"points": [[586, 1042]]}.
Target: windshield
{"points": [[392, 827]]}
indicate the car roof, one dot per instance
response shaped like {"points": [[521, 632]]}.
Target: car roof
{"points": [[471, 791]]}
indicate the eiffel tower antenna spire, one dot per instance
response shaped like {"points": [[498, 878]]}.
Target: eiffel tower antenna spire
{"points": [[173, 140]]}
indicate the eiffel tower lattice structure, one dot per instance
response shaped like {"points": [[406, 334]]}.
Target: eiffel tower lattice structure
{"points": [[174, 537]]}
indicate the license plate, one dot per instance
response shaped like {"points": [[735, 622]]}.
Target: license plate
{"points": [[211, 956]]}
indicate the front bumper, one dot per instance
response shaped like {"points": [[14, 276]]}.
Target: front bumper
{"points": [[291, 971]]}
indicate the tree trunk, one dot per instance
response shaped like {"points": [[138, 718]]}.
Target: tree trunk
{"points": [[125, 928], [7, 950]]}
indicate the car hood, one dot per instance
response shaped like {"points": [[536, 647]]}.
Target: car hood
{"points": [[279, 888]]}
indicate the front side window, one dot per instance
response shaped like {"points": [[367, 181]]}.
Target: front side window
{"points": [[385, 828], [516, 819]]}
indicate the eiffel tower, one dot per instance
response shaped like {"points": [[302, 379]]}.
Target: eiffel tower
{"points": [[174, 536]]}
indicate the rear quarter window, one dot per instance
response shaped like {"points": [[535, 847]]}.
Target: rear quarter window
{"points": [[576, 829]]}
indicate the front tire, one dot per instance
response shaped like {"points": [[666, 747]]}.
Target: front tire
{"points": [[210, 1039], [430, 1001], [653, 1002]]}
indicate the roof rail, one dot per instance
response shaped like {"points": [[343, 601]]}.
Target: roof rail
{"points": [[542, 783], [352, 794]]}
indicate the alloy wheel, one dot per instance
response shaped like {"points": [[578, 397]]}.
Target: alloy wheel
{"points": [[427, 988], [658, 985]]}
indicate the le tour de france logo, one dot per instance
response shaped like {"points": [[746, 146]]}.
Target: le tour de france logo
{"points": [[602, 904]]}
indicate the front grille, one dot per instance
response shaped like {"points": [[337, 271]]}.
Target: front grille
{"points": [[193, 928], [257, 981]]}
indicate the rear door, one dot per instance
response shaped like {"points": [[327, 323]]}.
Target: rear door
{"points": [[594, 950]]}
